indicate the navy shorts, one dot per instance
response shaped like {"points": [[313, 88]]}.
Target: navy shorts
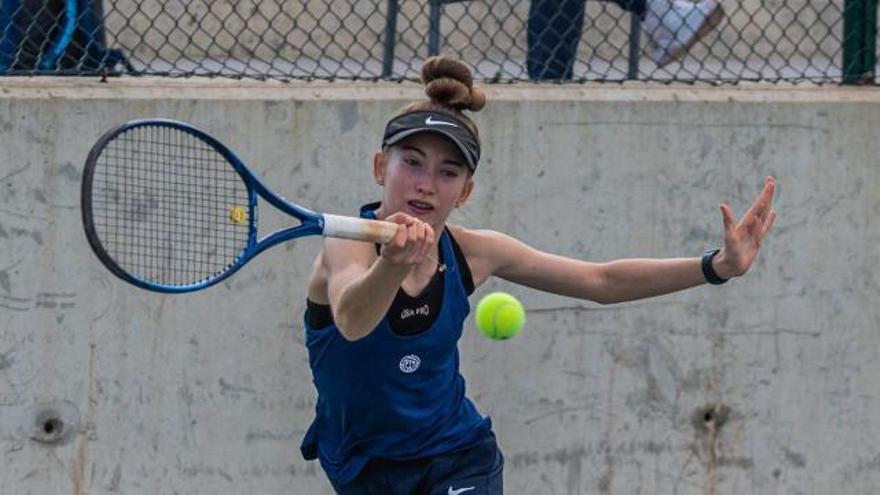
{"points": [[474, 470]]}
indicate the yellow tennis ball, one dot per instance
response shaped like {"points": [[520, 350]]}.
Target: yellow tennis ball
{"points": [[237, 214], [500, 316]]}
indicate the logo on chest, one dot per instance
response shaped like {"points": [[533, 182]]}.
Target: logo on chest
{"points": [[420, 311], [410, 363]]}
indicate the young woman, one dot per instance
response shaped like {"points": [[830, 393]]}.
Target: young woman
{"points": [[382, 322]]}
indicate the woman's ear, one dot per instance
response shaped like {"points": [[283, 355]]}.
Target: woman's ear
{"points": [[379, 159], [466, 192]]}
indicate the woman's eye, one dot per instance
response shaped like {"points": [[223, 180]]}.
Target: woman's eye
{"points": [[411, 162]]}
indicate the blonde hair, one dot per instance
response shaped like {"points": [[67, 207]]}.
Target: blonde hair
{"points": [[450, 88]]}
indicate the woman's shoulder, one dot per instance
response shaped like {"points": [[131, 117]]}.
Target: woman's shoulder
{"points": [[483, 249], [477, 241]]}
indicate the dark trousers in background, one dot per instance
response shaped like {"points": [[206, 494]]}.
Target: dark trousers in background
{"points": [[10, 32], [554, 32], [38, 35]]}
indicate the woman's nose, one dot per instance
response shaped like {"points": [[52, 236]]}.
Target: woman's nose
{"points": [[425, 181]]}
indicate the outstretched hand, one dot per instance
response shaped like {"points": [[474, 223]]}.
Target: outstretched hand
{"points": [[742, 239]]}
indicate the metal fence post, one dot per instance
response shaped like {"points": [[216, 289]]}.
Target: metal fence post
{"points": [[434, 13], [390, 35], [859, 41], [434, 28], [635, 46]]}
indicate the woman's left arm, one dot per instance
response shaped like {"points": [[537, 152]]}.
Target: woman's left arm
{"points": [[626, 279]]}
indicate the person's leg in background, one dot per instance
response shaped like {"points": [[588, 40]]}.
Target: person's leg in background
{"points": [[554, 31], [9, 33], [91, 34], [672, 26], [89, 48], [637, 7]]}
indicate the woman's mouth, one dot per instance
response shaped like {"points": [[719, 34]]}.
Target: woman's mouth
{"points": [[420, 207]]}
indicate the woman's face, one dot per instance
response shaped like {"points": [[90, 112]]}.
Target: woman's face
{"points": [[425, 176]]}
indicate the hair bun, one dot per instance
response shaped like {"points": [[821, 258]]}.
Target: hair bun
{"points": [[450, 83], [478, 99]]}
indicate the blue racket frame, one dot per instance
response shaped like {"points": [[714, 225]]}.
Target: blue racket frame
{"points": [[312, 222]]}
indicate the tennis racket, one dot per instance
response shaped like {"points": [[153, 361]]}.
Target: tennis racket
{"points": [[168, 208]]}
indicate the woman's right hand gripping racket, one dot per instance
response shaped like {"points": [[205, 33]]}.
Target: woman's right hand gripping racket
{"points": [[168, 208]]}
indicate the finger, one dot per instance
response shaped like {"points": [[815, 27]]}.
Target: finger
{"points": [[767, 194], [769, 186], [429, 234], [394, 218], [761, 205], [771, 219], [427, 241], [727, 217], [402, 234], [400, 218], [419, 237], [412, 240]]}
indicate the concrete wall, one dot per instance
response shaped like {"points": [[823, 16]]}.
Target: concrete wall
{"points": [[768, 385]]}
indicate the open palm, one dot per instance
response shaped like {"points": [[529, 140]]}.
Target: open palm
{"points": [[742, 239]]}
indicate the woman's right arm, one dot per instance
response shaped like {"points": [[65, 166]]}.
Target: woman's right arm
{"points": [[362, 287]]}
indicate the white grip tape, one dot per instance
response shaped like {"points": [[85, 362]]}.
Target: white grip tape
{"points": [[358, 229]]}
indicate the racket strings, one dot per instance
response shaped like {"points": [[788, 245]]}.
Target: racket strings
{"points": [[162, 202]]}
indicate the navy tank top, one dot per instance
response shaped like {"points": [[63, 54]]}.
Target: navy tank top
{"points": [[389, 396]]}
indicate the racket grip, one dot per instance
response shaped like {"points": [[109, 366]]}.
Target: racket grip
{"points": [[359, 229]]}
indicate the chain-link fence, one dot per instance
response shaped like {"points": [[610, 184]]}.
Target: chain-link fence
{"points": [[504, 40]]}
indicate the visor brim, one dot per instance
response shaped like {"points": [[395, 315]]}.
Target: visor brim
{"points": [[465, 153]]}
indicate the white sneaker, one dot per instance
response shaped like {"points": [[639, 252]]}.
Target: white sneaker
{"points": [[674, 26]]}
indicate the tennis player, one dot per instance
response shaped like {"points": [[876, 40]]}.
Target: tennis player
{"points": [[383, 322]]}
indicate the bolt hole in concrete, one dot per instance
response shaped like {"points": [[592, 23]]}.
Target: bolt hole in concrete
{"points": [[710, 417], [51, 423]]}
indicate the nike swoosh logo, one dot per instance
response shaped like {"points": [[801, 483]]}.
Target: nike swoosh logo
{"points": [[460, 490], [430, 121]]}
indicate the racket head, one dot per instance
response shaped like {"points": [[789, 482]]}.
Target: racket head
{"points": [[167, 207]]}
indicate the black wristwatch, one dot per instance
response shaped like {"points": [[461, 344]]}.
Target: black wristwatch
{"points": [[708, 271]]}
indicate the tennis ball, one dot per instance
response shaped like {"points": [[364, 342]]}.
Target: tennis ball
{"points": [[237, 214], [500, 316]]}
